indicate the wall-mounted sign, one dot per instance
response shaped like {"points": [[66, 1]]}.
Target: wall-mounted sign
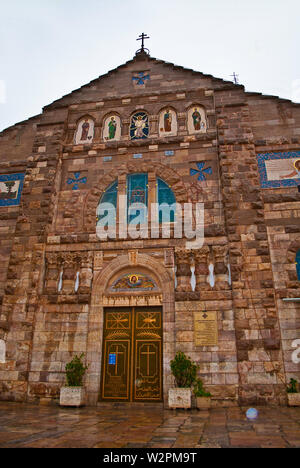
{"points": [[205, 329], [112, 359]]}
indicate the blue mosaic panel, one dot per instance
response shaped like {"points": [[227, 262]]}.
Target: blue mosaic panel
{"points": [[202, 172], [140, 78], [76, 180], [279, 169], [298, 264], [11, 186]]}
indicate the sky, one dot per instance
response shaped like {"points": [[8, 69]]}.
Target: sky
{"points": [[51, 47]]}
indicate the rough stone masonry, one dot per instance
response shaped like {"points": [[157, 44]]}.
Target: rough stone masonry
{"points": [[204, 140]]}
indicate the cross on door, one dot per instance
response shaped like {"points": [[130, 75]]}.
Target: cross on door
{"points": [[117, 353], [148, 354]]}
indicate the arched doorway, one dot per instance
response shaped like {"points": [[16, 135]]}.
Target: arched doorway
{"points": [[131, 337]]}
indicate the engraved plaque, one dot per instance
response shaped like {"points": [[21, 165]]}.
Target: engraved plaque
{"points": [[205, 328], [180, 398]]}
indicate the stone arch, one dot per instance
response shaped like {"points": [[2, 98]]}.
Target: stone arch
{"points": [[95, 328], [164, 172], [292, 250]]}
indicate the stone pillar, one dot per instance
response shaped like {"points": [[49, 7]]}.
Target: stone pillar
{"points": [[183, 272], [201, 268], [86, 273], [53, 269], [70, 269], [220, 255]]}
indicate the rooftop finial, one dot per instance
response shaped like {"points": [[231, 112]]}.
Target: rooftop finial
{"points": [[142, 38], [235, 78]]}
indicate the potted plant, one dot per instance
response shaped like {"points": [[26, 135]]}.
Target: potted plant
{"points": [[293, 393], [73, 394], [184, 371], [203, 398]]}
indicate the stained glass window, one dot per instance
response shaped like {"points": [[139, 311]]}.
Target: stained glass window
{"points": [[105, 216], [298, 264], [137, 201], [165, 196], [137, 197]]}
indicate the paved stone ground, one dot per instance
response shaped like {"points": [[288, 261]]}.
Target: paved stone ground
{"points": [[50, 426]]}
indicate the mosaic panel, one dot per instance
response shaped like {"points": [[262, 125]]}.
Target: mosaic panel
{"points": [[279, 169], [11, 186]]}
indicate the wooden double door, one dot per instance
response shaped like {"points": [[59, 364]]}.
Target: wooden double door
{"points": [[132, 354]]}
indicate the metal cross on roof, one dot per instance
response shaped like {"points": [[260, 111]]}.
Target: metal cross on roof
{"points": [[235, 78], [142, 38]]}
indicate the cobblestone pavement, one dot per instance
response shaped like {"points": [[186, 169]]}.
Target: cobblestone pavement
{"points": [[50, 426]]}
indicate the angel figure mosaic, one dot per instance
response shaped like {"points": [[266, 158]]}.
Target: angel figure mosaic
{"points": [[139, 128]]}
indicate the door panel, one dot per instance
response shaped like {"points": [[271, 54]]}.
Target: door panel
{"points": [[132, 354]]}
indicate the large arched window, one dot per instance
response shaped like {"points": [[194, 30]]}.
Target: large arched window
{"points": [[138, 201], [298, 264]]}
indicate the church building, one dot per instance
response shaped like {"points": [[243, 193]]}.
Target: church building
{"points": [[77, 277]]}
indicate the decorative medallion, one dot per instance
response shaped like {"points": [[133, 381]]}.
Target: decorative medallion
{"points": [[134, 281], [11, 186], [139, 128], [279, 169], [76, 181], [201, 172], [140, 78]]}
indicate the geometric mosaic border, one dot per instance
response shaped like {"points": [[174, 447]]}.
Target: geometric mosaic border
{"points": [[261, 160], [10, 178]]}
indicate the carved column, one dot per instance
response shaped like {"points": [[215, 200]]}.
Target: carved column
{"points": [[220, 255], [52, 273], [183, 272], [201, 269], [86, 273], [71, 265]]}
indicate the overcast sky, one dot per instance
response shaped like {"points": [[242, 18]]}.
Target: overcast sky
{"points": [[51, 47]]}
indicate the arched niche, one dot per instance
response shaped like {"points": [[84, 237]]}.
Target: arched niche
{"points": [[167, 122], [196, 120], [84, 133], [112, 127]]}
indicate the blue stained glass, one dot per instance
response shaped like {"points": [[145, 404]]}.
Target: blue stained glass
{"points": [[110, 196], [298, 264], [165, 195], [137, 192]]}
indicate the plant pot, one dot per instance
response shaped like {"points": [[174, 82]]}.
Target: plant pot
{"points": [[203, 402], [180, 398], [72, 396], [293, 399]]}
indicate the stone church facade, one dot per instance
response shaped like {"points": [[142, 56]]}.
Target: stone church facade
{"points": [[150, 130]]}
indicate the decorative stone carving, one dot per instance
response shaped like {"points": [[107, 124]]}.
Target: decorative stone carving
{"points": [[220, 256], [201, 268], [70, 263], [183, 273]]}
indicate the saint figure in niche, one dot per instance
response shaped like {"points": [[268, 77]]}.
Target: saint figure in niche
{"points": [[112, 127], [296, 171], [140, 124], [196, 119], [168, 121], [85, 130]]}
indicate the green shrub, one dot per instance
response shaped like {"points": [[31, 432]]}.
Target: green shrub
{"points": [[199, 390], [184, 370], [75, 371], [293, 386]]}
